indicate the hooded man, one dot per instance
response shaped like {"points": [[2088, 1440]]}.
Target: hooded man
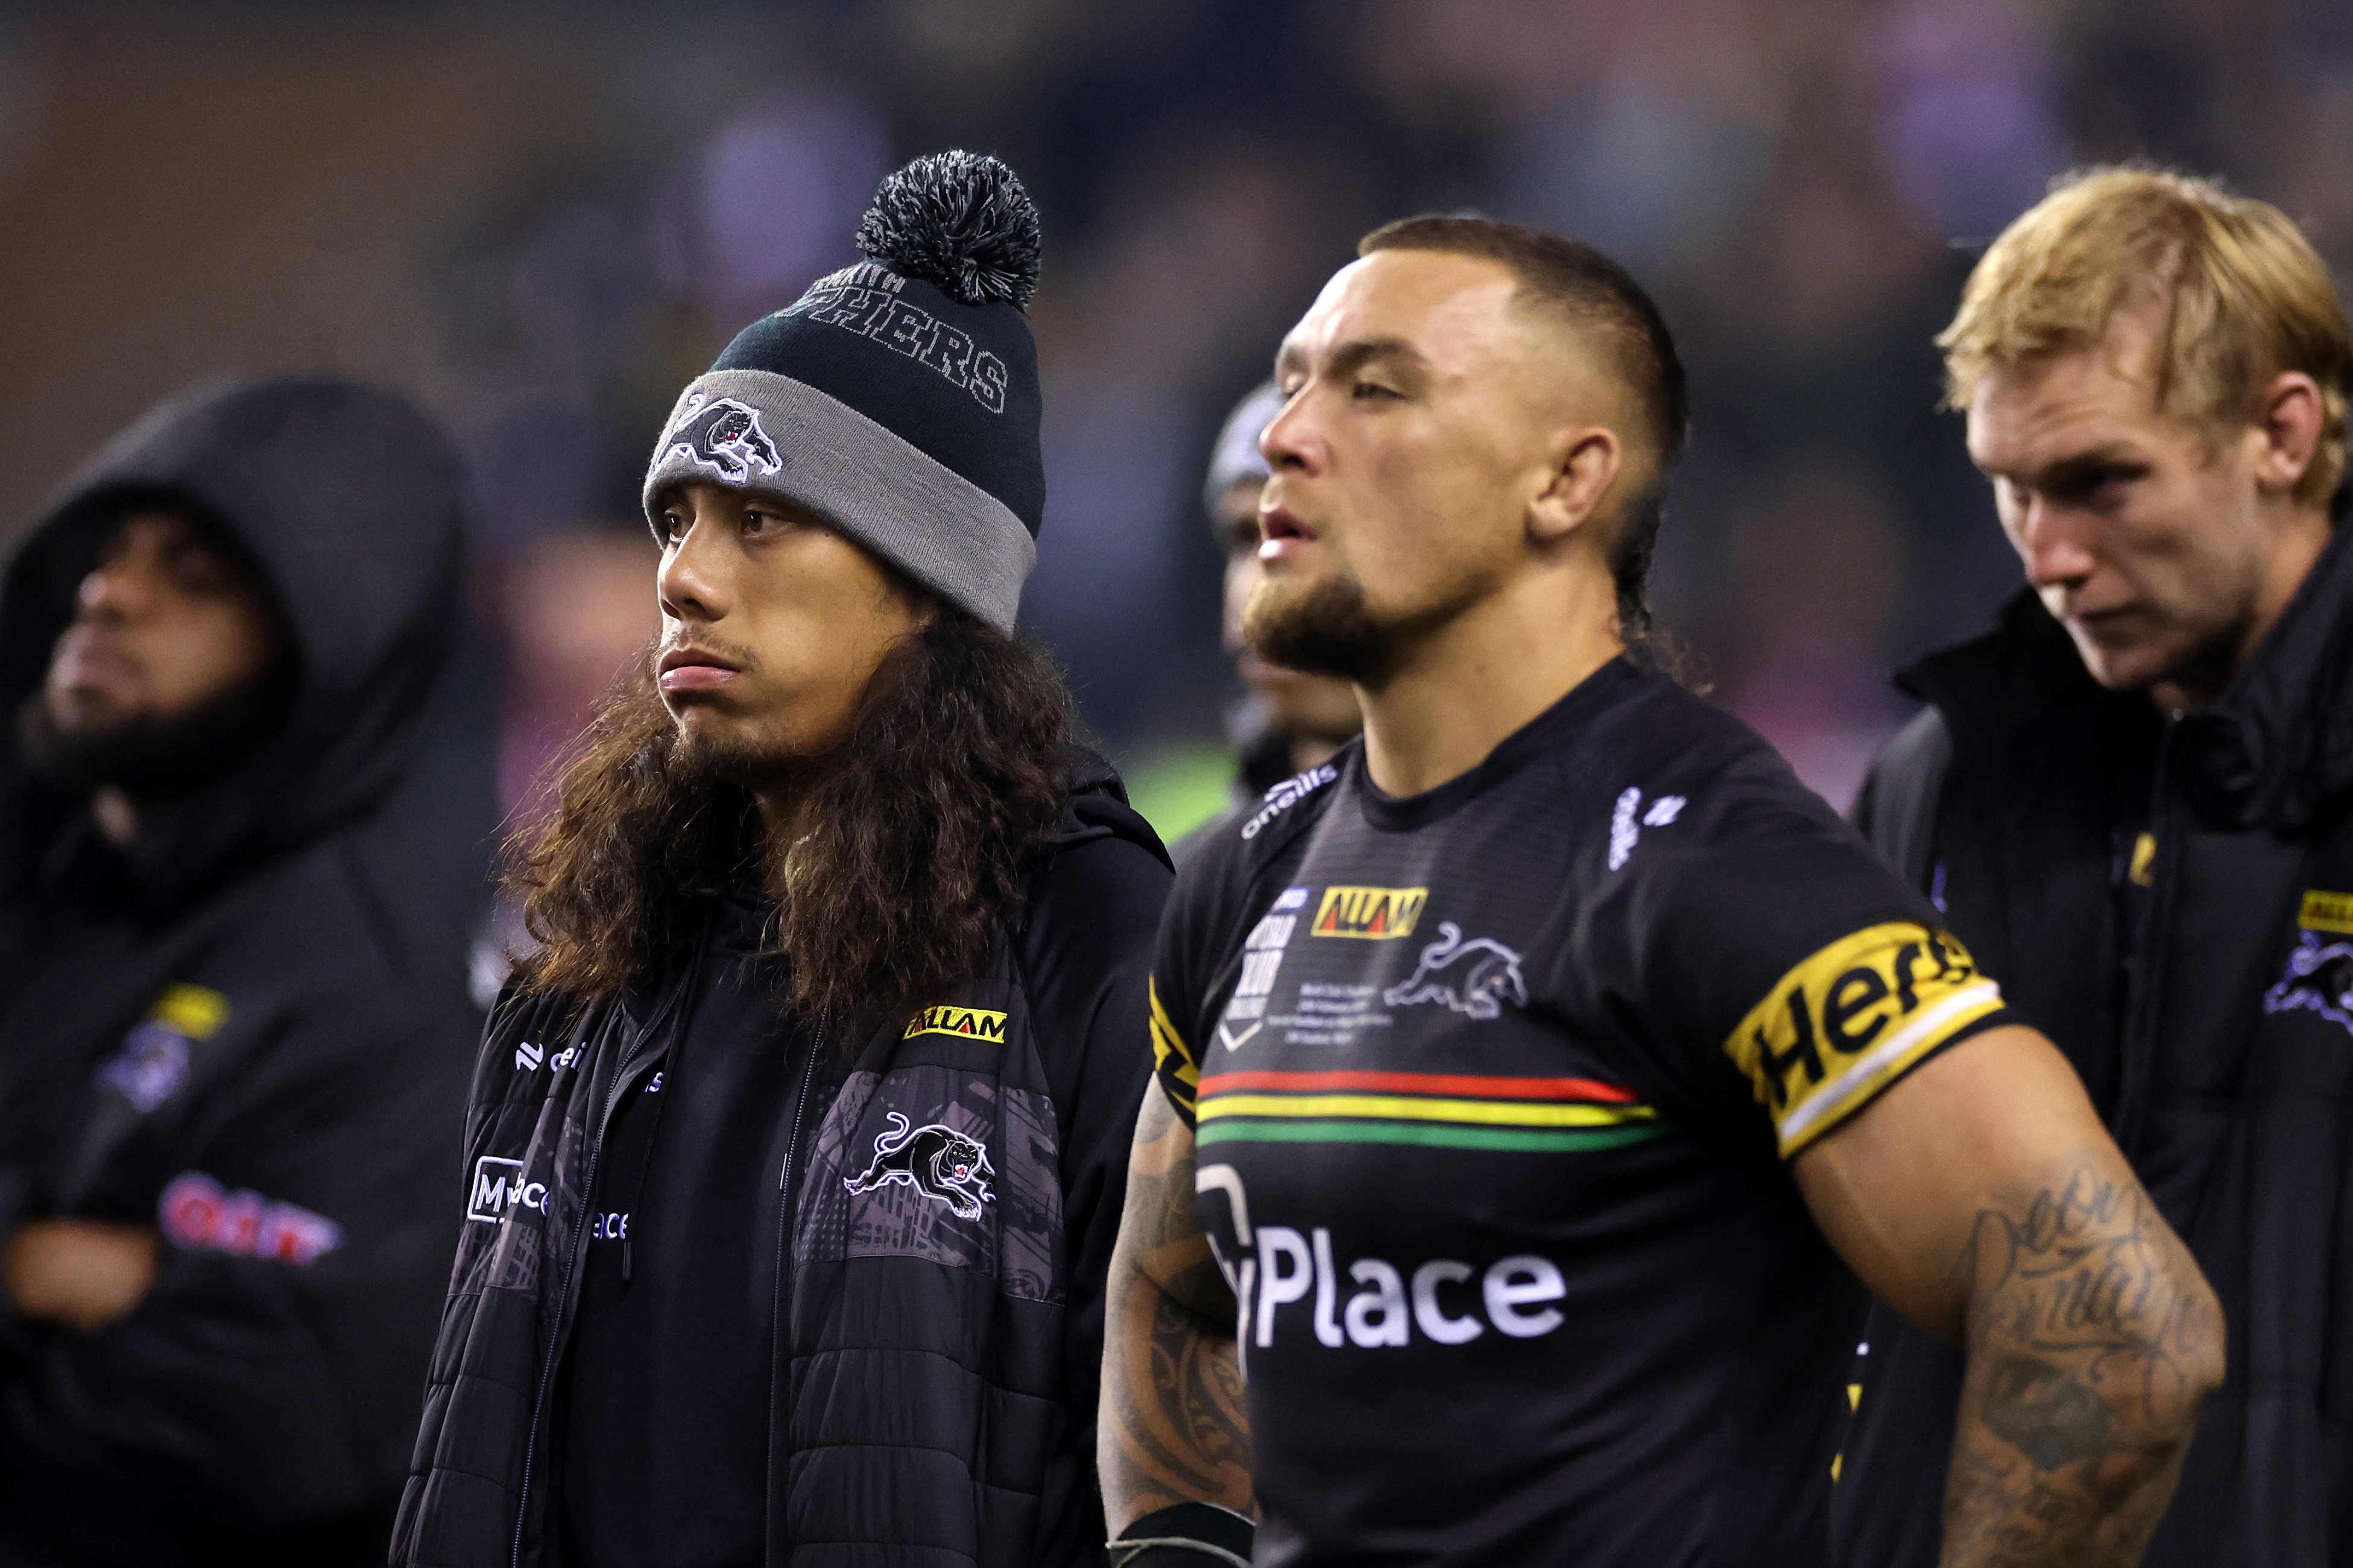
{"points": [[795, 1151], [232, 1055]]}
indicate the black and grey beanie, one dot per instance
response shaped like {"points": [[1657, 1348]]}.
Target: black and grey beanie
{"points": [[898, 398]]}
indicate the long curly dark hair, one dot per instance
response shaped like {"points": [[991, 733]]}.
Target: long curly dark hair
{"points": [[919, 827]]}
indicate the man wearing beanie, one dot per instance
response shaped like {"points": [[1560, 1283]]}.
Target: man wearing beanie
{"points": [[795, 1149], [1290, 720], [234, 1031]]}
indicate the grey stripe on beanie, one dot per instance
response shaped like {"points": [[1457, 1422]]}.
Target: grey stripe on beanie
{"points": [[754, 429]]}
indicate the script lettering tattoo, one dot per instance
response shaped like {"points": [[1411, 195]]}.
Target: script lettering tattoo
{"points": [[1172, 1427], [2092, 1342]]}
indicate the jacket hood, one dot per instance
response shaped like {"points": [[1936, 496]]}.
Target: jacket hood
{"points": [[349, 501], [1097, 808]]}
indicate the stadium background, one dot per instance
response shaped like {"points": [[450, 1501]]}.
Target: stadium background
{"points": [[540, 220]]}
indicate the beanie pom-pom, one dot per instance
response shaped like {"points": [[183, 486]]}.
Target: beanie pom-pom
{"points": [[960, 221]]}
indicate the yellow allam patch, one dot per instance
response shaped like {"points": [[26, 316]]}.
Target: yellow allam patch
{"points": [[1377, 914], [2327, 911], [2143, 869], [194, 1011], [965, 1023]]}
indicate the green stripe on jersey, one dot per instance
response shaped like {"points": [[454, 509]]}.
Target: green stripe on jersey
{"points": [[1250, 1129]]}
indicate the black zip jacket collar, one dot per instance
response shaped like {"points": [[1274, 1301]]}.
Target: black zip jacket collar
{"points": [[933, 1387]]}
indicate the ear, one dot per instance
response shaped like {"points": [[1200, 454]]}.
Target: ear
{"points": [[2288, 417], [1583, 464]]}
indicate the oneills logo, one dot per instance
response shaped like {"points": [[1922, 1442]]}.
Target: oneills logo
{"points": [[967, 1023], [1373, 913]]}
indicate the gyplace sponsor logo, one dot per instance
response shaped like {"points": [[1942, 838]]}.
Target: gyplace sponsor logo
{"points": [[1378, 1303], [1284, 1275], [498, 1186]]}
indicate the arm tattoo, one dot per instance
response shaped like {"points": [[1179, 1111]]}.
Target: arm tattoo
{"points": [[1172, 1427], [2092, 1342]]}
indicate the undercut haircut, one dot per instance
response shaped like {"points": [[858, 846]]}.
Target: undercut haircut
{"points": [[2246, 298], [1608, 308]]}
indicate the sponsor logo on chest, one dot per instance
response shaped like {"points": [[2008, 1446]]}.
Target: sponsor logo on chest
{"points": [[499, 1187], [965, 1023], [1375, 914]]}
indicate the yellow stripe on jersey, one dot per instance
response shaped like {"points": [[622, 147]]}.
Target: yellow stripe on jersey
{"points": [[1184, 1081], [1853, 1018]]}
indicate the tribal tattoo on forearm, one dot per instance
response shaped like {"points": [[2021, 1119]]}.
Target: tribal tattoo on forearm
{"points": [[1172, 1427], [2094, 1342]]}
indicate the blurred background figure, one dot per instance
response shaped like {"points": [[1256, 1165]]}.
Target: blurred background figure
{"points": [[514, 213], [234, 1034], [1289, 722]]}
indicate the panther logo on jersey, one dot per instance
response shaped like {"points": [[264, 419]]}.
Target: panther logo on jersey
{"points": [[937, 1160], [1474, 978], [726, 436]]}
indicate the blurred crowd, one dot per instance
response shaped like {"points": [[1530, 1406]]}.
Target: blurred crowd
{"points": [[541, 219]]}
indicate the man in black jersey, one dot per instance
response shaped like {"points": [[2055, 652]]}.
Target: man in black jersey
{"points": [[1526, 1071]]}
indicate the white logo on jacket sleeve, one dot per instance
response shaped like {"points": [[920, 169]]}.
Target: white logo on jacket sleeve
{"points": [[197, 1212], [1474, 978], [943, 1164]]}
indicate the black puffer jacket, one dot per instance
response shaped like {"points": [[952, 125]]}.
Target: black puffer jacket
{"points": [[2204, 990], [933, 1398], [249, 1029]]}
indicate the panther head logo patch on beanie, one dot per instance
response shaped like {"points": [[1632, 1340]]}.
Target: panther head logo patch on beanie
{"points": [[726, 436]]}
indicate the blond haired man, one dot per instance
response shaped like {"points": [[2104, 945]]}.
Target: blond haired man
{"points": [[2131, 801]]}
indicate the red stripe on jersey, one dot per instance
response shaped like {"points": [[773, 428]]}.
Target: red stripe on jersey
{"points": [[1421, 1083]]}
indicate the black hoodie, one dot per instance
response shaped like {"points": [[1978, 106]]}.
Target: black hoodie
{"points": [[249, 1027]]}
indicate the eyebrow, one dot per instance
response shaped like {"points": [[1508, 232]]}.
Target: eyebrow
{"points": [[1358, 352], [2079, 466]]}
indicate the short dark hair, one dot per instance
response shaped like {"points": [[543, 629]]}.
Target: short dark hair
{"points": [[1601, 298]]}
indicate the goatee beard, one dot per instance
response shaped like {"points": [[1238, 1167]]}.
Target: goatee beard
{"points": [[151, 756], [1326, 629]]}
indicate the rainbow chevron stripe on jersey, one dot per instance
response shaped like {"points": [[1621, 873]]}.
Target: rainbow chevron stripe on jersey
{"points": [[1452, 1111], [1495, 1093]]}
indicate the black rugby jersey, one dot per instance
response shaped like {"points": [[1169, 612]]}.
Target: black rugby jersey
{"points": [[1493, 1089]]}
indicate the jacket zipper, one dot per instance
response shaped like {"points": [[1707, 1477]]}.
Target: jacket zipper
{"points": [[2149, 956], [563, 1291], [784, 1234]]}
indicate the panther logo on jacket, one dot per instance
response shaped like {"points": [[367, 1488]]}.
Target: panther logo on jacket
{"points": [[1474, 978], [2319, 978], [725, 435], [937, 1160]]}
